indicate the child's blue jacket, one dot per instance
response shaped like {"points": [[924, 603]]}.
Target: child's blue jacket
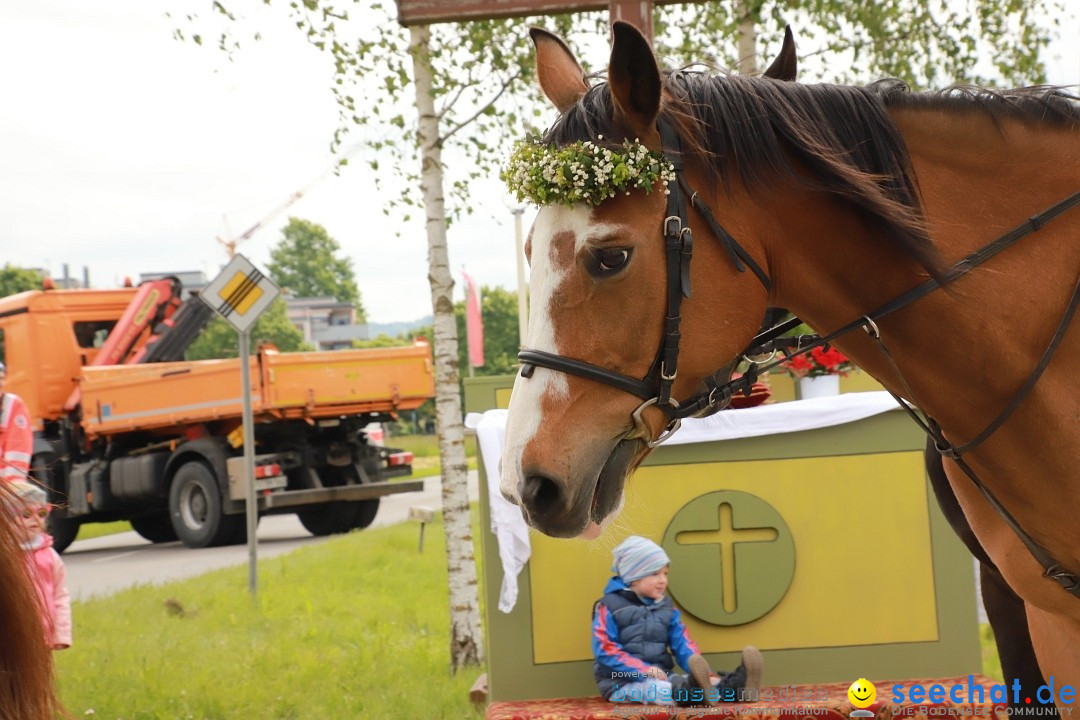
{"points": [[630, 634]]}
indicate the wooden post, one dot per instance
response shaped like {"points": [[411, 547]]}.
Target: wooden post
{"points": [[635, 12], [423, 515]]}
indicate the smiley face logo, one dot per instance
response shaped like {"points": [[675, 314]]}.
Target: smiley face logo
{"points": [[861, 693]]}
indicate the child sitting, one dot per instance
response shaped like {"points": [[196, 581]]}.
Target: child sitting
{"points": [[28, 504], [636, 629]]}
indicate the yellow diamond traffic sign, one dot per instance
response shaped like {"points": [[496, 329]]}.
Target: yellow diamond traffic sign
{"points": [[240, 293]]}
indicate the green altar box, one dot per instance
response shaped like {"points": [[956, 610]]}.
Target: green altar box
{"points": [[823, 546]]}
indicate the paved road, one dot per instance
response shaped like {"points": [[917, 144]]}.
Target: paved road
{"points": [[103, 565]]}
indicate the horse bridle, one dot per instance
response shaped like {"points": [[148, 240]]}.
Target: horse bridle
{"points": [[655, 387]]}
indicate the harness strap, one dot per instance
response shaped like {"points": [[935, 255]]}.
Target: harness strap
{"points": [[1008, 410], [962, 267], [763, 338], [531, 359], [1034, 223], [1069, 581], [678, 246], [736, 252]]}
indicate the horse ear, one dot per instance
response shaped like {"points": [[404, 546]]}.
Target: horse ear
{"points": [[560, 74], [786, 65], [634, 79]]}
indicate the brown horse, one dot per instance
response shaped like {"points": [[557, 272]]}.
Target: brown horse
{"points": [[1004, 608], [26, 680], [840, 199]]}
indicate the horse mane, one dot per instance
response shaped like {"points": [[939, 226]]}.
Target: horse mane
{"points": [[838, 139], [1046, 104], [27, 691]]}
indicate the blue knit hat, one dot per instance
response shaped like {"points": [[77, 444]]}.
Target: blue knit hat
{"points": [[637, 557]]}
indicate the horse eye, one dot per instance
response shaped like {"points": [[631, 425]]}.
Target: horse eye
{"points": [[612, 258]]}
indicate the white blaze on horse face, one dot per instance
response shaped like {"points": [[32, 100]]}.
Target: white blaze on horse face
{"points": [[545, 277]]}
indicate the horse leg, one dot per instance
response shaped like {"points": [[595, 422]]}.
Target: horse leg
{"points": [[1009, 619], [1004, 608], [1058, 641]]}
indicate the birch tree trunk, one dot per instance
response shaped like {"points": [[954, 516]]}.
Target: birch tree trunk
{"points": [[747, 40], [466, 636]]}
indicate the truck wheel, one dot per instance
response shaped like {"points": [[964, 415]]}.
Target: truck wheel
{"points": [[240, 536], [333, 519], [195, 508], [63, 531], [368, 509], [155, 527], [366, 513]]}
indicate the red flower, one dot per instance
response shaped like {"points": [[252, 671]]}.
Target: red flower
{"points": [[819, 361]]}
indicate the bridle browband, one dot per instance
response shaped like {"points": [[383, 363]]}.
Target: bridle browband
{"points": [[655, 387]]}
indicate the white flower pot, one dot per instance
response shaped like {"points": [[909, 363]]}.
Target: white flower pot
{"points": [[822, 386]]}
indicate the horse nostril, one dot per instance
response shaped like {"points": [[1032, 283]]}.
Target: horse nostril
{"points": [[541, 495]]}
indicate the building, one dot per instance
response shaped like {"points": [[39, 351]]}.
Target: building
{"points": [[325, 323], [193, 281]]}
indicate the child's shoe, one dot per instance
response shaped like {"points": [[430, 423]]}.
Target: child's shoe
{"points": [[699, 672], [695, 689], [746, 678]]}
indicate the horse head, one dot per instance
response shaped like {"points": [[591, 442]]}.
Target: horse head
{"points": [[600, 289]]}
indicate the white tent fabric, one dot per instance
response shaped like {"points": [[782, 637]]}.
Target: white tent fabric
{"points": [[509, 526]]}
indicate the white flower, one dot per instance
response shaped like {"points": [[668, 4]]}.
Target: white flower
{"points": [[583, 172]]}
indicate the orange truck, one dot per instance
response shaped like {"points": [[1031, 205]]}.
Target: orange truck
{"points": [[157, 440]]}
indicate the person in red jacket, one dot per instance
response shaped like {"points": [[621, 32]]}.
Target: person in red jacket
{"points": [[16, 435]]}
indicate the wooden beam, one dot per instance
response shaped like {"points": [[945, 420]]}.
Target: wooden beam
{"points": [[636, 12], [426, 12]]}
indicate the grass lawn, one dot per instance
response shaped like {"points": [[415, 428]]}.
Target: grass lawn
{"points": [[426, 445], [990, 663], [428, 466], [425, 450], [93, 530], [356, 627]]}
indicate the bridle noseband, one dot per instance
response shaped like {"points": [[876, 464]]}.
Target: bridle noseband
{"points": [[655, 387]]}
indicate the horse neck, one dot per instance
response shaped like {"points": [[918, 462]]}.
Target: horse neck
{"points": [[977, 180]]}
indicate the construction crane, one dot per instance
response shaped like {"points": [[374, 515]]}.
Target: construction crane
{"points": [[230, 243]]}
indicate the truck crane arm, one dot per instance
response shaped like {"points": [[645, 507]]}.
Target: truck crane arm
{"points": [[154, 302]]}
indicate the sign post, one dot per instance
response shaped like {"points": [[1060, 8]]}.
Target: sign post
{"points": [[240, 293]]}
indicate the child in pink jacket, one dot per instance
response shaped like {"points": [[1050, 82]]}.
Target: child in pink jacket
{"points": [[29, 505]]}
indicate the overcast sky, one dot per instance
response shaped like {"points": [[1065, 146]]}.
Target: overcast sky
{"points": [[126, 151]]}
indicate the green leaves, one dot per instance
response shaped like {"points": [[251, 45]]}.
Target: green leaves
{"points": [[484, 77], [306, 262], [16, 280], [219, 339]]}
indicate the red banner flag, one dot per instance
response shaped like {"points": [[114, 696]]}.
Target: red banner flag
{"points": [[474, 325]]}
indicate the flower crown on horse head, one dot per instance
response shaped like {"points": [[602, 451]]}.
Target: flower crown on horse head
{"points": [[583, 172]]}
